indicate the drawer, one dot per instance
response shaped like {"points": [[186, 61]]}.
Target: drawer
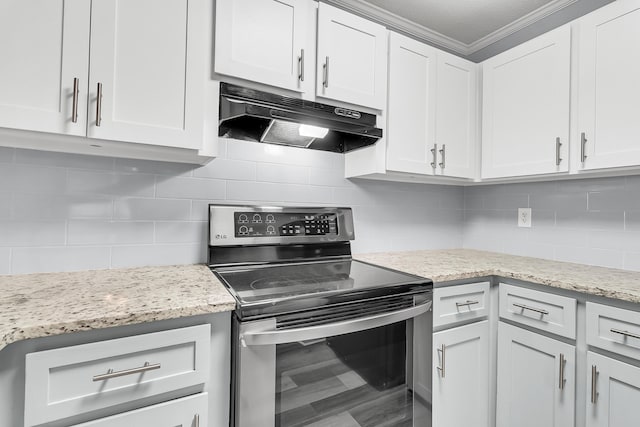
{"points": [[455, 304], [541, 310], [613, 329], [74, 380], [188, 411]]}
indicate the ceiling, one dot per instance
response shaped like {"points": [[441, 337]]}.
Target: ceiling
{"points": [[475, 29]]}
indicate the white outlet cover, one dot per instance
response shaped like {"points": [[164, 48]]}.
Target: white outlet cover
{"points": [[524, 217]]}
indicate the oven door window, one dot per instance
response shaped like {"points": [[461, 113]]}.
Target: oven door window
{"points": [[361, 379]]}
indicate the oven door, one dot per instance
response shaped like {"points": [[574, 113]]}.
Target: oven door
{"points": [[351, 373]]}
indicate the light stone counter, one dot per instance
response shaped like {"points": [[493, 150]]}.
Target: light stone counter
{"points": [[38, 305], [456, 264]]}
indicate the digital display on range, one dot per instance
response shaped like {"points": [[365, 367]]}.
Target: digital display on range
{"points": [[272, 224]]}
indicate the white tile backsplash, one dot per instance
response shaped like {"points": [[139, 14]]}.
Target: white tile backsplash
{"points": [[152, 209], [59, 258], [90, 232], [111, 183], [5, 260]]}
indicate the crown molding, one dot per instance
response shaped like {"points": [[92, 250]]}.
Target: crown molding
{"points": [[410, 28]]}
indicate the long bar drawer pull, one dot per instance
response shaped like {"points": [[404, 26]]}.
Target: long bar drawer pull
{"points": [[526, 307], [594, 384], [563, 361], [466, 303], [625, 333], [111, 374], [440, 368]]}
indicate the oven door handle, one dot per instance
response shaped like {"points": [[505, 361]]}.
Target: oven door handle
{"points": [[272, 337]]}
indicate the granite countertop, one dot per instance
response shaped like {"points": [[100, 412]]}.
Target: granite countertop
{"points": [[38, 305], [456, 264]]}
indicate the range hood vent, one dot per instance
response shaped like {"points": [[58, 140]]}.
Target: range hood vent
{"points": [[257, 116]]}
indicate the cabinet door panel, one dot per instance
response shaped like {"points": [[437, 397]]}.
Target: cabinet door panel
{"points": [[45, 46], [529, 394], [148, 55], [608, 85], [526, 107], [411, 103]]}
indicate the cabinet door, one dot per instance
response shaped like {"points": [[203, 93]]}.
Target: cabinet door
{"points": [[187, 412], [148, 55], [530, 393], [456, 124], [266, 41], [526, 108], [411, 103], [461, 376], [608, 85], [352, 58], [614, 397], [44, 49]]}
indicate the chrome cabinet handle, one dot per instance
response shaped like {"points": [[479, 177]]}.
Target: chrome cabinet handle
{"points": [[558, 145], [440, 368], [435, 156], [74, 105], [111, 374], [325, 68], [466, 303], [526, 307], [197, 420], [583, 147], [563, 361], [99, 105], [625, 333], [301, 65], [594, 384], [442, 155]]}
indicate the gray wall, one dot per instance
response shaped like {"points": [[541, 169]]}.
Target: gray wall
{"points": [[590, 221], [65, 212]]}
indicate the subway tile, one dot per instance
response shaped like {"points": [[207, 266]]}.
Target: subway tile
{"points": [[608, 201], [541, 218], [54, 259], [117, 184], [227, 169], [573, 202], [6, 201], [90, 232], [591, 220], [67, 160], [181, 232], [153, 167], [329, 178], [32, 233], [191, 188], [590, 184], [36, 179], [32, 206], [286, 174], [5, 261], [632, 261], [506, 201], [597, 257], [152, 209], [271, 192], [632, 220], [473, 201], [559, 236], [615, 240], [143, 255], [7, 154]]}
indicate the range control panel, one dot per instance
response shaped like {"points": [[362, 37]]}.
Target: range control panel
{"points": [[281, 224]]}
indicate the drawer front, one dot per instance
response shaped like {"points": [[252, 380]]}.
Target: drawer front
{"points": [[613, 329], [541, 310], [186, 412], [74, 380], [456, 304]]}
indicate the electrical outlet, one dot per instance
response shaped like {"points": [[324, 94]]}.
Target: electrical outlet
{"points": [[524, 217]]}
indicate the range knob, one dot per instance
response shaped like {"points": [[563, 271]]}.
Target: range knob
{"points": [[271, 230], [270, 219], [243, 229], [256, 218], [243, 219]]}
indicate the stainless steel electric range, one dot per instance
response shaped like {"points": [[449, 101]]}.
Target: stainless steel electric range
{"points": [[318, 336]]}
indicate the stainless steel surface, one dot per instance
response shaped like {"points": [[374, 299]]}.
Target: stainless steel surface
{"points": [[325, 70], [99, 105], [434, 152], [563, 362], [301, 65], [74, 104], [115, 374], [594, 384], [466, 303], [273, 337], [583, 147], [440, 368], [443, 152], [526, 307], [625, 333], [558, 145]]}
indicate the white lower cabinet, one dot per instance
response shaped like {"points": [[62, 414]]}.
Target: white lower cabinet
{"points": [[461, 376], [536, 380], [190, 411]]}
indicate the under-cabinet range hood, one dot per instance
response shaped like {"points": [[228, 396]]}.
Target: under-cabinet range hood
{"points": [[258, 116]]}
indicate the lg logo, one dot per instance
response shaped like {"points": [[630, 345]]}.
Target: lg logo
{"points": [[221, 236]]}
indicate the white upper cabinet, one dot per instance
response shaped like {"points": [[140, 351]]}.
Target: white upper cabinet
{"points": [[44, 51], [352, 58], [266, 41], [609, 66], [526, 98], [411, 106], [147, 57]]}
